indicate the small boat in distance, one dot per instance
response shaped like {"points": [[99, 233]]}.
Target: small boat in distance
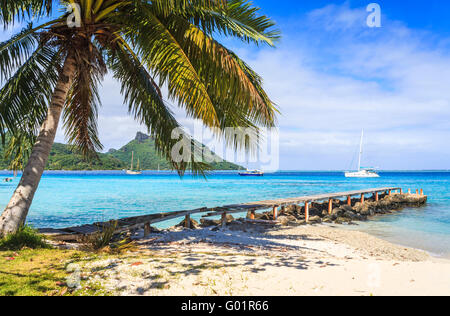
{"points": [[7, 180], [131, 171], [362, 172], [251, 173]]}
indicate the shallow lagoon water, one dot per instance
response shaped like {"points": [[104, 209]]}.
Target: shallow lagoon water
{"points": [[74, 198]]}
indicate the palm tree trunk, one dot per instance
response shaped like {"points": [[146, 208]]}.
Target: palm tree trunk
{"points": [[16, 212]]}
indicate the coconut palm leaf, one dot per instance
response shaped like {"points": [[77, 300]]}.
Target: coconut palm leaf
{"points": [[165, 58], [146, 104], [81, 112], [25, 96], [12, 11]]}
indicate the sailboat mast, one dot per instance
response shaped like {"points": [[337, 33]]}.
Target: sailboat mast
{"points": [[360, 150]]}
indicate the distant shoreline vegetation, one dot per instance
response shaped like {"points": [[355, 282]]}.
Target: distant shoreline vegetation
{"points": [[66, 158]]}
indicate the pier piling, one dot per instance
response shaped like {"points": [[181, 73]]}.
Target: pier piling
{"points": [[307, 211], [147, 229], [330, 206], [224, 219], [349, 200], [275, 213]]}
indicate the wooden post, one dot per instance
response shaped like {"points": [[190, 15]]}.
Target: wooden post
{"points": [[275, 213], [401, 191], [421, 192], [362, 198], [224, 219], [417, 191], [390, 192], [187, 221], [377, 197], [349, 200], [147, 229], [252, 215], [330, 206], [307, 211]]}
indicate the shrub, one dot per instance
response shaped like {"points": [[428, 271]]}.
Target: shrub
{"points": [[101, 239], [26, 237]]}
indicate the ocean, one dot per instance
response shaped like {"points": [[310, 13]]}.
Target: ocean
{"points": [[74, 198]]}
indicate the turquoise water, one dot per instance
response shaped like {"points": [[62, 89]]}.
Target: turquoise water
{"points": [[73, 198]]}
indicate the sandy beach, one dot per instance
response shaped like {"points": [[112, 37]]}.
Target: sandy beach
{"points": [[250, 260]]}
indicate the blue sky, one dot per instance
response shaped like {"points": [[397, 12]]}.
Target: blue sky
{"points": [[331, 76]]}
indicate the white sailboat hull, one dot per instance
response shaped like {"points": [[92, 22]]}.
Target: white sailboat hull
{"points": [[362, 174], [134, 173]]}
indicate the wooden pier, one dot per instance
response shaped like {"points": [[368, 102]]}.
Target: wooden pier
{"points": [[139, 222]]}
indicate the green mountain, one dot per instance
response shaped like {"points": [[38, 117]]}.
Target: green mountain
{"points": [[143, 147], [65, 157]]}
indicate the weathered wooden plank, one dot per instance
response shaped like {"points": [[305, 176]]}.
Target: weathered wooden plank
{"points": [[85, 229]]}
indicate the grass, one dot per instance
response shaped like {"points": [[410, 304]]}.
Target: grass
{"points": [[44, 272], [34, 272], [31, 267], [25, 237]]}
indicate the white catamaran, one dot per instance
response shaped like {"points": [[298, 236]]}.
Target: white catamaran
{"points": [[131, 171], [362, 172]]}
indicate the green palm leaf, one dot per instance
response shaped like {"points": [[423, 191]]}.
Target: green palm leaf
{"points": [[146, 104], [25, 96], [17, 10]]}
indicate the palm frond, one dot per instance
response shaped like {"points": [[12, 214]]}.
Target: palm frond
{"points": [[18, 150], [164, 8], [81, 111], [146, 104], [239, 19], [12, 11], [229, 80], [166, 59], [25, 96], [15, 51]]}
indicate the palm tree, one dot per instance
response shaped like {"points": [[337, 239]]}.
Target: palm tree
{"points": [[53, 69]]}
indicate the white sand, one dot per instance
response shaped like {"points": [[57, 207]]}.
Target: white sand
{"points": [[307, 260]]}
